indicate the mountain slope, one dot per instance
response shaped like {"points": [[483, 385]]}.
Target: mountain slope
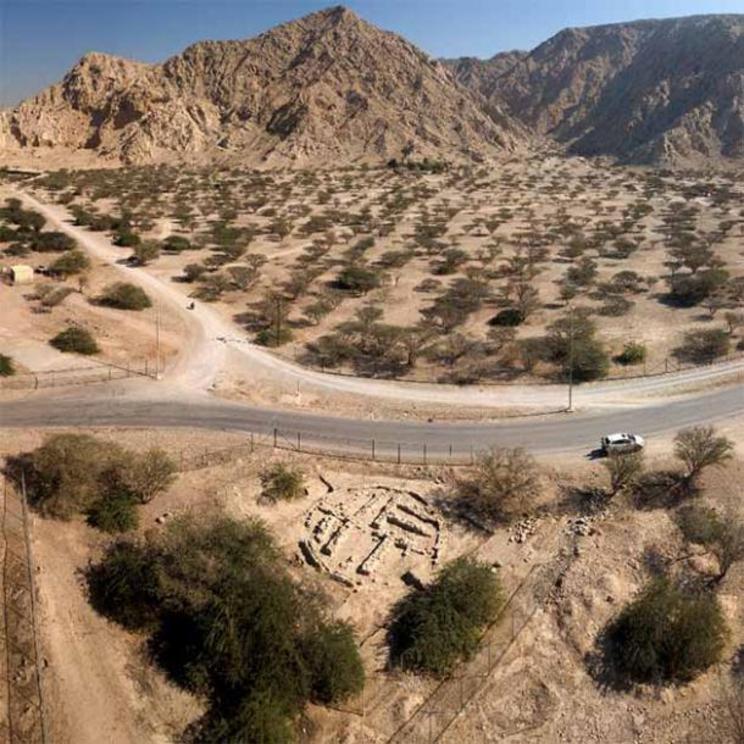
{"points": [[325, 88], [648, 91]]}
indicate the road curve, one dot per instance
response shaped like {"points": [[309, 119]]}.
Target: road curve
{"points": [[448, 441]]}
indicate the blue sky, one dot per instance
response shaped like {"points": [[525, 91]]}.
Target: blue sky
{"points": [[41, 39]]}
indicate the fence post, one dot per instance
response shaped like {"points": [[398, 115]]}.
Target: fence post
{"points": [[398, 453], [450, 451], [251, 442], [275, 437], [299, 444], [373, 449]]}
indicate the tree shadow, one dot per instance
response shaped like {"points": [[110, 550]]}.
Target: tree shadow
{"points": [[455, 509], [662, 489], [600, 666], [578, 501]]}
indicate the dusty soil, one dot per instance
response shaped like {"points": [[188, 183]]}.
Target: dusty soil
{"points": [[546, 201], [539, 686], [124, 337]]}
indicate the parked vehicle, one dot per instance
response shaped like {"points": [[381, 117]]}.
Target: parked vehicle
{"points": [[622, 444]]}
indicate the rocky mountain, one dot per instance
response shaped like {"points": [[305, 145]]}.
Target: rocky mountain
{"points": [[650, 91], [480, 74], [331, 88], [326, 88]]}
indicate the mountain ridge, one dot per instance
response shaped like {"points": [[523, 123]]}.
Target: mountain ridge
{"points": [[645, 91], [328, 85], [331, 88]]}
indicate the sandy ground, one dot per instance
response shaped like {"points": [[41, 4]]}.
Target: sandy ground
{"points": [[546, 201], [218, 357], [540, 690], [125, 338]]}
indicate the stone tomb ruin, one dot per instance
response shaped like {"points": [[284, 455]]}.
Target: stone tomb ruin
{"points": [[360, 534]]}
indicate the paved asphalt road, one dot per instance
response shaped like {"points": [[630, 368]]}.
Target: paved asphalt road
{"points": [[545, 434]]}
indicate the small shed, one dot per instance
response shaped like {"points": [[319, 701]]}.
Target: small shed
{"points": [[21, 274]]}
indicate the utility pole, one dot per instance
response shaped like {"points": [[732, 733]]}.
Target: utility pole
{"points": [[570, 357], [157, 342], [278, 319]]}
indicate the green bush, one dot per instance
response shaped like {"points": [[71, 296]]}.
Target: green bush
{"points": [[51, 242], [226, 621], [76, 473], [176, 244], [127, 239], [145, 252], [274, 337], [703, 346], [124, 296], [77, 340], [7, 367], [65, 473], [699, 524], [722, 535], [358, 279], [126, 584], [337, 670], [114, 512], [282, 482], [509, 317], [69, 263], [193, 271], [572, 344], [666, 635], [52, 296], [615, 306], [688, 290], [632, 353], [435, 628]]}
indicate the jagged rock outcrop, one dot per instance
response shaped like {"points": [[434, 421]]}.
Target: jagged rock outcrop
{"points": [[325, 88], [480, 74], [649, 91]]}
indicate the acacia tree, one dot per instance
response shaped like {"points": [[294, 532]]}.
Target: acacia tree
{"points": [[666, 635], [698, 448], [227, 622], [623, 471], [722, 535], [504, 484]]}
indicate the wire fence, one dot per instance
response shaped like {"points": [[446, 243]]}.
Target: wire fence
{"points": [[345, 448], [86, 375], [24, 719]]}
